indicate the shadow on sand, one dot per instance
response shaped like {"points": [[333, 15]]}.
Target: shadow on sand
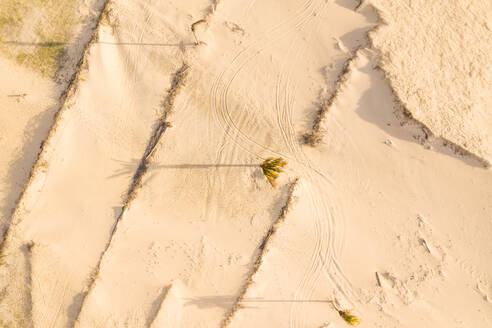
{"points": [[129, 168], [385, 116], [226, 301], [63, 44]]}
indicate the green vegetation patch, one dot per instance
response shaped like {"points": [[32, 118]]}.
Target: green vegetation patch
{"points": [[35, 33]]}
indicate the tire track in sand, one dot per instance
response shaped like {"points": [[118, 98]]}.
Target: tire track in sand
{"points": [[325, 250], [226, 122], [325, 241], [222, 84]]}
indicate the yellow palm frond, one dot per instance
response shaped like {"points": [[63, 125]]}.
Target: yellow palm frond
{"points": [[349, 318], [272, 167]]}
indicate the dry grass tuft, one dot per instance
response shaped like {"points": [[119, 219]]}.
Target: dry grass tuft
{"points": [[312, 138], [176, 85], [315, 136]]}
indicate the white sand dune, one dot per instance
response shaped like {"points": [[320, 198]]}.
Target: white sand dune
{"points": [[148, 207], [449, 47]]}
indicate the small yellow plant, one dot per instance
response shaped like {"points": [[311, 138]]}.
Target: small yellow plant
{"points": [[349, 318], [272, 167]]}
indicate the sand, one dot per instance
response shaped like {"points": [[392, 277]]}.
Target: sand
{"points": [[147, 206]]}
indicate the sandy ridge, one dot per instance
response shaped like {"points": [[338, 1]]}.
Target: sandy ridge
{"points": [[315, 136], [178, 82], [160, 300], [167, 105], [25, 302], [262, 249], [63, 101]]}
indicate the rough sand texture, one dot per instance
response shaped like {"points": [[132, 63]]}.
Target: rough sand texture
{"points": [[437, 57], [148, 208]]}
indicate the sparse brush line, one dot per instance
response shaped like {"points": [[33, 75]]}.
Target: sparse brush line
{"points": [[160, 128], [162, 125], [261, 253], [402, 112], [315, 136]]}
